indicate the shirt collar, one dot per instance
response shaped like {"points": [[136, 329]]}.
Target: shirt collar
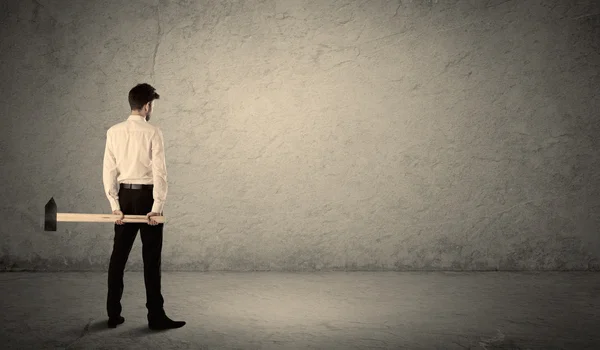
{"points": [[137, 117]]}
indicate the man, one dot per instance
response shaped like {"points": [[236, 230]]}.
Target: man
{"points": [[135, 183]]}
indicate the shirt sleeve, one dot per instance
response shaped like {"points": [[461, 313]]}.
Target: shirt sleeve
{"points": [[109, 175], [159, 172]]}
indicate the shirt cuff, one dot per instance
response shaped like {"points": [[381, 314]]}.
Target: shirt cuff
{"points": [[157, 208], [114, 204]]}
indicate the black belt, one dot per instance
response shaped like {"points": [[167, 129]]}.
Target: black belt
{"points": [[136, 186]]}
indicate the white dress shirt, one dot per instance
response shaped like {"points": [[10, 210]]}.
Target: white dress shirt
{"points": [[135, 154]]}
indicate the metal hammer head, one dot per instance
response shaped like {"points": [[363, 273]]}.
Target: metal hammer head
{"points": [[51, 212]]}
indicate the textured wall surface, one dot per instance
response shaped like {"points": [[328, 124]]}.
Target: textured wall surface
{"points": [[311, 134]]}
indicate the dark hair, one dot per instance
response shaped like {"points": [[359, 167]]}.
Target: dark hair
{"points": [[142, 94]]}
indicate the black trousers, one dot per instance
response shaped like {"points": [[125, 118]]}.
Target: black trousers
{"points": [[136, 202]]}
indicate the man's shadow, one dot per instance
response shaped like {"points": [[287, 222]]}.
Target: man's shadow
{"points": [[100, 326], [143, 331]]}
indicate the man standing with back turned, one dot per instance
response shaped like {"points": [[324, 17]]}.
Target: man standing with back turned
{"points": [[135, 183]]}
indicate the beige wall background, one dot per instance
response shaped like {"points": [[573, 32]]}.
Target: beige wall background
{"points": [[300, 135]]}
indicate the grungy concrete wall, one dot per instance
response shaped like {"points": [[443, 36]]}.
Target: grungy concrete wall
{"points": [[312, 134]]}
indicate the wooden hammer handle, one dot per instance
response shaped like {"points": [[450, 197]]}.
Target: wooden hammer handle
{"points": [[75, 217]]}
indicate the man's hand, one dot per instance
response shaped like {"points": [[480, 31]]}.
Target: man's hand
{"points": [[151, 221], [120, 220]]}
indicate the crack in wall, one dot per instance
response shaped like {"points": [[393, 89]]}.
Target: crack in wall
{"points": [[159, 35]]}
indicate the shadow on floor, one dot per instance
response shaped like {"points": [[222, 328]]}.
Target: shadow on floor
{"points": [[93, 326], [143, 331], [100, 326]]}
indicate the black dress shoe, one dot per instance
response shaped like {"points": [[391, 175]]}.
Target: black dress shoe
{"points": [[164, 323], [113, 322]]}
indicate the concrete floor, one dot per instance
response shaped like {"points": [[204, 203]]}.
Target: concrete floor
{"points": [[326, 310]]}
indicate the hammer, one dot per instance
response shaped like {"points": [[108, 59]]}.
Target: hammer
{"points": [[52, 217]]}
